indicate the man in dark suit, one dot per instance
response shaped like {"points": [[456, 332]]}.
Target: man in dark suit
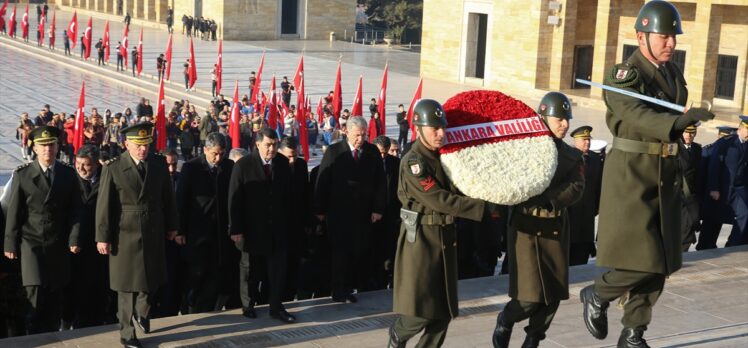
{"points": [[202, 199], [582, 214], [302, 216], [350, 194], [42, 228], [135, 214], [690, 161], [384, 240], [259, 201], [713, 213]]}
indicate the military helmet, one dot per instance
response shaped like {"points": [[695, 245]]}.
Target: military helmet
{"points": [[659, 17], [555, 104], [428, 112]]}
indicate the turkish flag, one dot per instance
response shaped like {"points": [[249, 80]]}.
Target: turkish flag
{"points": [[168, 58], [382, 102], [140, 52], [41, 26], [320, 110], [80, 120], [87, 37], [25, 24], [2, 13], [256, 87], [52, 30], [12, 23], [219, 68], [160, 125], [73, 30], [299, 73], [193, 66], [272, 107], [358, 104], [234, 120], [301, 120], [416, 96], [337, 97], [107, 40], [123, 47]]}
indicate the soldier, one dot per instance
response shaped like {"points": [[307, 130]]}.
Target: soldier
{"points": [[425, 293], [582, 214], [539, 230], [641, 180], [690, 161], [42, 228], [135, 214], [727, 174], [714, 213]]}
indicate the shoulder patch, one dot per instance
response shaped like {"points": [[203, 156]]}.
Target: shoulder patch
{"points": [[112, 160], [415, 165], [622, 75]]}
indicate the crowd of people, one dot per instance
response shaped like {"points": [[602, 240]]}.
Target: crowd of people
{"points": [[204, 28]]}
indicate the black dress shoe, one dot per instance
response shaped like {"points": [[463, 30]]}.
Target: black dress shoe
{"points": [[531, 342], [395, 341], [131, 343], [595, 312], [351, 298], [142, 323], [283, 316], [502, 333], [249, 312], [632, 338]]}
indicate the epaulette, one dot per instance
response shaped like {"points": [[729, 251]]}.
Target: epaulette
{"points": [[65, 164], [111, 160], [622, 75], [23, 166]]}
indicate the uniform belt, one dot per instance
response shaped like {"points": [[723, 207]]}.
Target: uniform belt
{"points": [[660, 149], [540, 212], [437, 219]]}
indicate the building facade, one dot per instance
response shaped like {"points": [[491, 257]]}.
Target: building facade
{"points": [[242, 19], [521, 46]]}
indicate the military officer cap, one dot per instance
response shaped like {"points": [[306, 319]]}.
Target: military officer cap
{"points": [[139, 134], [44, 135], [744, 120], [583, 132], [692, 128], [555, 104], [723, 131], [659, 17], [428, 112]]}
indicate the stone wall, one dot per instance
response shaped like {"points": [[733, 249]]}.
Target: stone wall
{"points": [[325, 16]]}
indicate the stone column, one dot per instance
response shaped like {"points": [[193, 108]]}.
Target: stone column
{"points": [[137, 9], [703, 52], [606, 41], [562, 52]]}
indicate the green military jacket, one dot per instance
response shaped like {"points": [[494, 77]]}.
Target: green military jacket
{"points": [[538, 247], [43, 222], [426, 269], [639, 225], [133, 215]]}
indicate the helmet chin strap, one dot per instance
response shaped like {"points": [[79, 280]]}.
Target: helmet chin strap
{"points": [[649, 49]]}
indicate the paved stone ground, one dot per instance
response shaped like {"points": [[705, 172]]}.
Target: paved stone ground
{"points": [[704, 305]]}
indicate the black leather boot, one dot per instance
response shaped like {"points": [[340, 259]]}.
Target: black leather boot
{"points": [[531, 341], [395, 342], [502, 333], [632, 338], [595, 312]]}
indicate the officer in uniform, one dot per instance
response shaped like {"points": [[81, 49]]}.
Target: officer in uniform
{"points": [[641, 180], [582, 214], [135, 214], [690, 161], [727, 173], [425, 275], [714, 213], [42, 228], [539, 230]]}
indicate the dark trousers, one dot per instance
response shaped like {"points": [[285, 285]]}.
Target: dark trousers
{"points": [[540, 315], [100, 60], [168, 300], [644, 289], [87, 297], [120, 63], [434, 330], [212, 280], [579, 253], [214, 85], [349, 259], [134, 68], [128, 304], [45, 309], [257, 269], [402, 139], [13, 305], [710, 228]]}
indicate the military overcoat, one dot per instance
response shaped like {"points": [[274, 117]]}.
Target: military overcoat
{"points": [[133, 215], [639, 225], [426, 269]]}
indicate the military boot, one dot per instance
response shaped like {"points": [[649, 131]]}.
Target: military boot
{"points": [[595, 312], [632, 338], [395, 342], [502, 333], [531, 341]]}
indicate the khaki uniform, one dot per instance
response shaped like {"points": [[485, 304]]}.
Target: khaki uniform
{"points": [[426, 261]]}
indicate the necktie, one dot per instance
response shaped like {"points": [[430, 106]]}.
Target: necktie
{"points": [[141, 170], [267, 172], [48, 175], [355, 155]]}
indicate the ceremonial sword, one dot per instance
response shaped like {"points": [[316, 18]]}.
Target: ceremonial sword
{"points": [[672, 106]]}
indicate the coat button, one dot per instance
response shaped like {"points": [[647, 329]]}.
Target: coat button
{"points": [[540, 233], [662, 183], [454, 244], [555, 233]]}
